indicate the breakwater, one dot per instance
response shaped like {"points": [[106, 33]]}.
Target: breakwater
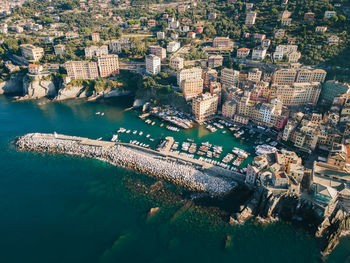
{"points": [[136, 159]]}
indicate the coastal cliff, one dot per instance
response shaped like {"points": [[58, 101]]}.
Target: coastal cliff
{"points": [[328, 223], [13, 85], [38, 87]]}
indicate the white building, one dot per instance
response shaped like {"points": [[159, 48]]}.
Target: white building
{"points": [[32, 52], [176, 63], [189, 74], [3, 29], [59, 49], [259, 53], [160, 35], [229, 77], [153, 64], [95, 51], [173, 46]]}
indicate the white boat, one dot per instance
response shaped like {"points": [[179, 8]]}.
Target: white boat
{"points": [[102, 113], [240, 152], [140, 133], [265, 149], [128, 131], [148, 135], [114, 138], [98, 113], [134, 132]]}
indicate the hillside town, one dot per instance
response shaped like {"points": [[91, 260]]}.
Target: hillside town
{"points": [[277, 67]]}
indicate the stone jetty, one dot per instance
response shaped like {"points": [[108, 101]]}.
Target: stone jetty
{"points": [[147, 162]]}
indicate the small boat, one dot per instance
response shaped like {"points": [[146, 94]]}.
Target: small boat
{"points": [[98, 113], [148, 135], [114, 138], [102, 113], [134, 132], [140, 133], [128, 131]]}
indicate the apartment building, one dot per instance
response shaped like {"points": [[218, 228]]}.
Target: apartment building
{"points": [[153, 64], [229, 109], [205, 106], [81, 69], [176, 63], [32, 52], [229, 77], [259, 53], [59, 49], [243, 52], [95, 37], [209, 75], [117, 46], [95, 51], [215, 61], [254, 74], [250, 18], [290, 76], [158, 51], [172, 46], [298, 94], [192, 88], [108, 65], [189, 74], [221, 42]]}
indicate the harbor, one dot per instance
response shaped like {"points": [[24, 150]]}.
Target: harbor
{"points": [[181, 171]]}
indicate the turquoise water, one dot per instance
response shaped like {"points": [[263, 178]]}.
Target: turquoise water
{"points": [[63, 209]]}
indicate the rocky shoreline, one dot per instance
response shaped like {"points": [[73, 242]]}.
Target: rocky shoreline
{"points": [[326, 223], [136, 159]]}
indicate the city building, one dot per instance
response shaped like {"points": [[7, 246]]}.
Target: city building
{"points": [[32, 52], [95, 37], [250, 18], [301, 75], [279, 33], [3, 29], [95, 51], [209, 75], [254, 74], [160, 35], [59, 49], [259, 53], [221, 42], [229, 77], [298, 94], [215, 61], [332, 89], [205, 106], [176, 63], [34, 69], [329, 14], [333, 40], [229, 109], [243, 52], [153, 64], [173, 46], [191, 88], [309, 16], [321, 29], [81, 70], [158, 51], [189, 74], [108, 65]]}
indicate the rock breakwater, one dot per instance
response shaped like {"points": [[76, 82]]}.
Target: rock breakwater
{"points": [[143, 161]]}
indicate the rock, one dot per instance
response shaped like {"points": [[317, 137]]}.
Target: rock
{"points": [[152, 212], [38, 87], [68, 92], [116, 93], [138, 103], [13, 85]]}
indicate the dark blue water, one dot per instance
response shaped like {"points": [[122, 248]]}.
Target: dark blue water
{"points": [[63, 209]]}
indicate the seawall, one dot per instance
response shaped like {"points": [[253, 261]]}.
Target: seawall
{"points": [[136, 159]]}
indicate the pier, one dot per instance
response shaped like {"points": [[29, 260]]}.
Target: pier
{"points": [[180, 170]]}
